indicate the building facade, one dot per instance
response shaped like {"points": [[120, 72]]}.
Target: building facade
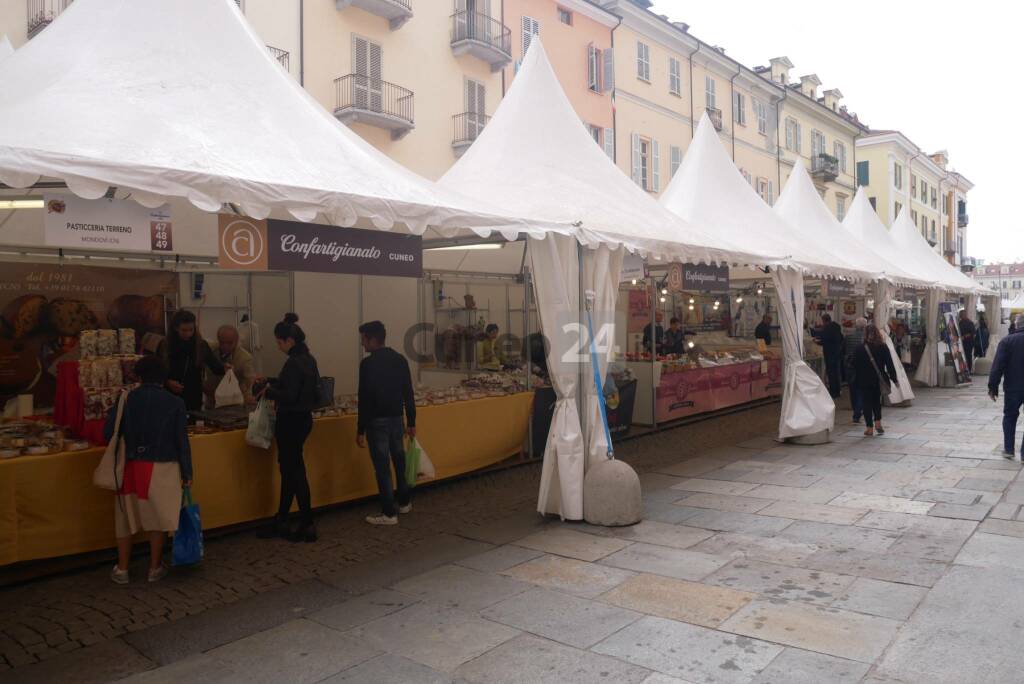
{"points": [[1006, 279]]}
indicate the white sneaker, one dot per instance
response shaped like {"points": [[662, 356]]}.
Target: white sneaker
{"points": [[382, 519], [119, 576], [158, 574], [407, 508]]}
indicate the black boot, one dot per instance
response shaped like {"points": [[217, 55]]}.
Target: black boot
{"points": [[278, 529], [306, 532]]}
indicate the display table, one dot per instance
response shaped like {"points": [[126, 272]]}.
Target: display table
{"points": [[49, 506]]}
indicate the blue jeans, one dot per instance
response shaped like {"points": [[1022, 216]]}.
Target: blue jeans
{"points": [[384, 437], [855, 401], [1012, 401]]}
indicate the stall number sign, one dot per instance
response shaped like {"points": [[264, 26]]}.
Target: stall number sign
{"points": [[105, 224], [252, 245]]}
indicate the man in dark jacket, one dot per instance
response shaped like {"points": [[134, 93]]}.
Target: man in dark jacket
{"points": [[763, 331], [830, 337], [385, 393], [1008, 367], [968, 331]]}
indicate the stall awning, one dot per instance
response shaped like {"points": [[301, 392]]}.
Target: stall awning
{"points": [[181, 99], [5, 47], [912, 247]]}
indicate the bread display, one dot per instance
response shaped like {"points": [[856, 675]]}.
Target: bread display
{"points": [[24, 315], [141, 314], [69, 317]]}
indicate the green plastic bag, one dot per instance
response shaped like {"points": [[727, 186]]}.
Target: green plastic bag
{"points": [[412, 462]]}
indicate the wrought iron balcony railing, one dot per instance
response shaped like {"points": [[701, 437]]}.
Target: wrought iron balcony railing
{"points": [[962, 220], [280, 55], [397, 12], [716, 117], [467, 127], [42, 12], [374, 101], [825, 167], [483, 37]]}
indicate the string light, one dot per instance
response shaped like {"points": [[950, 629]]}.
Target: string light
{"points": [[691, 300], [739, 300], [760, 291], [664, 290], [634, 281], [691, 345], [691, 307], [662, 300], [717, 302]]}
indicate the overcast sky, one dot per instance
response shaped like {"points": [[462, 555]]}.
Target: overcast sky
{"points": [[941, 72]]}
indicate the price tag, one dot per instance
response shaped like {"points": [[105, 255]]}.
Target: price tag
{"points": [[160, 231]]}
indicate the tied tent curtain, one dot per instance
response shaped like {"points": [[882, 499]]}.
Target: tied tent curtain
{"points": [[602, 268], [885, 292], [928, 368], [807, 408], [554, 264]]}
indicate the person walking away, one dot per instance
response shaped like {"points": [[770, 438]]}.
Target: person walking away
{"points": [[231, 354], [1008, 368], [854, 341], [294, 393], [982, 339], [158, 464], [763, 331], [187, 354], [871, 362], [385, 393], [831, 340], [968, 334]]}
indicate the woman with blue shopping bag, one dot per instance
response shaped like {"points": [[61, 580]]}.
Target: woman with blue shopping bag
{"points": [[149, 464]]}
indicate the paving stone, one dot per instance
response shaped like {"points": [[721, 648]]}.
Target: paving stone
{"points": [[501, 558], [567, 619], [794, 666], [992, 550], [884, 599], [195, 668], [892, 504], [981, 484], [826, 535], [659, 678], [714, 486], [782, 582], [888, 567], [815, 512], [504, 530], [106, 661], [438, 637], [695, 467], [663, 534], [781, 479], [693, 602], [949, 497], [922, 542], [1005, 511], [572, 576], [656, 481], [663, 560], [362, 609], [725, 502], [565, 542], [825, 630], [299, 651], [531, 660], [901, 522], [817, 495], [975, 512], [744, 523], [671, 513], [708, 656], [1008, 528], [771, 549], [389, 669], [457, 587]]}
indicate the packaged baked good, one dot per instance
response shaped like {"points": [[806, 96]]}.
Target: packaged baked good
{"points": [[98, 374], [106, 342], [128, 369], [114, 378], [126, 341], [87, 344], [69, 317], [85, 373], [23, 315]]}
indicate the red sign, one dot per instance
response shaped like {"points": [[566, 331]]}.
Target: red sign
{"points": [[160, 236]]}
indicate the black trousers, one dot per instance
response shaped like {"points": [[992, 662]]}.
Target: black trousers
{"points": [[291, 431], [833, 368], [871, 401], [969, 355]]}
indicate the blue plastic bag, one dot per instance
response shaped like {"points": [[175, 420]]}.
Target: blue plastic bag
{"points": [[188, 540]]}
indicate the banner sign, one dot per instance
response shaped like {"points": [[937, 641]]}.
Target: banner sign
{"points": [[632, 268], [950, 335], [839, 289], [252, 245], [705, 278], [106, 224]]}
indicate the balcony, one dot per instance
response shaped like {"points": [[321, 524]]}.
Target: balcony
{"points": [[483, 37], [716, 117], [961, 221], [467, 127], [824, 168], [374, 102], [280, 55], [397, 12], [42, 12]]}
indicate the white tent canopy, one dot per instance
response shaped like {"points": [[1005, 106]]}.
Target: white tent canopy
{"points": [[1016, 304], [708, 190], [5, 47], [181, 99], [914, 249], [867, 229]]}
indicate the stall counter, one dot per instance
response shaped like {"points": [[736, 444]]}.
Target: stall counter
{"points": [[49, 506]]}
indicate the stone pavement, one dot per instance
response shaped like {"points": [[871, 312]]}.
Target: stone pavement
{"points": [[875, 560]]}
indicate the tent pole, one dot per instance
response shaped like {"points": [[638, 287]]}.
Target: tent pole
{"points": [[652, 283]]}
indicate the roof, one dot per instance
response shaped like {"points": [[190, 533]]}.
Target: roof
{"points": [[862, 222], [921, 258]]}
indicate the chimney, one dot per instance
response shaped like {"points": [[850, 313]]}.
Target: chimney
{"points": [[780, 69], [809, 85], [941, 158], [682, 26], [832, 98]]}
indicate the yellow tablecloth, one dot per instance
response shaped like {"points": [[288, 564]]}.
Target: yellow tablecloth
{"points": [[49, 506]]}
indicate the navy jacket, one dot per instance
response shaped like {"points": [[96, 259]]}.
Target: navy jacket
{"points": [[154, 426], [1008, 364]]}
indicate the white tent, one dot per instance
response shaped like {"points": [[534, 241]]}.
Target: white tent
{"points": [[181, 99], [5, 47], [1016, 304], [913, 247]]}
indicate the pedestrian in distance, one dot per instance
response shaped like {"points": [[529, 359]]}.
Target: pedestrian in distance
{"points": [[1008, 368], [981, 341], [385, 394], [875, 373], [158, 464], [294, 393], [968, 335], [854, 341], [830, 337], [763, 331]]}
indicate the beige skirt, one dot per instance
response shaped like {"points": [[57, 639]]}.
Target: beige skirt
{"points": [[149, 499]]}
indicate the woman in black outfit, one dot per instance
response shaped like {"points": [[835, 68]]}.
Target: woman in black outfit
{"points": [[186, 353], [295, 393], [870, 361]]}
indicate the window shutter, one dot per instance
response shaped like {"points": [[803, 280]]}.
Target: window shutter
{"points": [[609, 143], [360, 55], [655, 167], [531, 28], [635, 158], [789, 135], [799, 135], [771, 193], [592, 83], [376, 62], [609, 70]]}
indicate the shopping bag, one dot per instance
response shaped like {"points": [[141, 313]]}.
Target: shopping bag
{"points": [[188, 540], [425, 471], [412, 462], [228, 392], [109, 474], [260, 432]]}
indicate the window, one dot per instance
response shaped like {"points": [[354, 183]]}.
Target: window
{"points": [[897, 176], [913, 186], [913, 216], [368, 63], [739, 109], [746, 176], [817, 143], [709, 92], [531, 28], [476, 107], [840, 208], [595, 133], [933, 229], [593, 68], [924, 191], [761, 111], [897, 208], [565, 16], [839, 152], [675, 159], [766, 190], [793, 135], [935, 198], [873, 201], [675, 82], [863, 173], [609, 143], [1016, 284], [924, 225], [646, 163], [643, 62]]}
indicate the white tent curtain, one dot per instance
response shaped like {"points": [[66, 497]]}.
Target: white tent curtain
{"points": [[972, 306], [554, 265], [928, 368], [885, 293], [602, 268], [807, 408]]}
